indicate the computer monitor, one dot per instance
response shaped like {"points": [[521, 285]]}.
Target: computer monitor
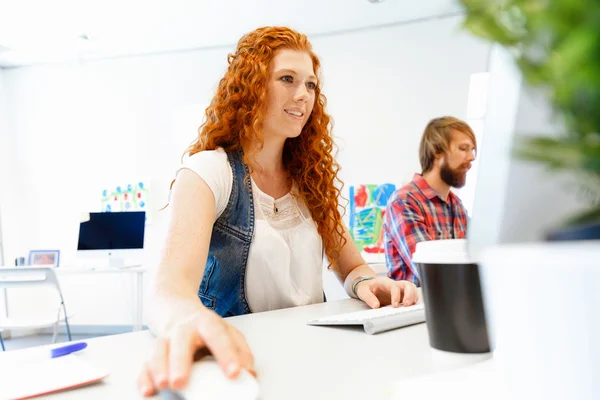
{"points": [[112, 235], [516, 201]]}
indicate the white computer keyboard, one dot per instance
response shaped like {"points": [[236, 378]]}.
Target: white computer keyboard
{"points": [[378, 319]]}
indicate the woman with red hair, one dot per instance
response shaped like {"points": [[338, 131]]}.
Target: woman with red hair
{"points": [[253, 211]]}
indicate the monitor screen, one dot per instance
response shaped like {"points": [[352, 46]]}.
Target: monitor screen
{"points": [[112, 230]]}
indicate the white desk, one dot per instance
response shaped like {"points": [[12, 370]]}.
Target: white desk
{"points": [[293, 360], [138, 293]]}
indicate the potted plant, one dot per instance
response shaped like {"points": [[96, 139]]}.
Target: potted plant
{"points": [[556, 44]]}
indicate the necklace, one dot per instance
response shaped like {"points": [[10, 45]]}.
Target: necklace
{"points": [[263, 179]]}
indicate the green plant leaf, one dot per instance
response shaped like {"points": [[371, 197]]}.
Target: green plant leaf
{"points": [[590, 216]]}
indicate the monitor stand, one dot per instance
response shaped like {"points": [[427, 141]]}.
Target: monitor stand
{"points": [[116, 261]]}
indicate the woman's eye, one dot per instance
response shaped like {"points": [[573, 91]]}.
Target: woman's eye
{"points": [[311, 85], [287, 79]]}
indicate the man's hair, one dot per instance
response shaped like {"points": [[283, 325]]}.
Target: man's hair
{"points": [[437, 136]]}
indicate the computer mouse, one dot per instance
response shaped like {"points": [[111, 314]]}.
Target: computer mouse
{"points": [[208, 381], [169, 395]]}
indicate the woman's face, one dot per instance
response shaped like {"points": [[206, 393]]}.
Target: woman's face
{"points": [[290, 94]]}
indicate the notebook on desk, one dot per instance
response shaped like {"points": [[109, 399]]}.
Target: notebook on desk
{"points": [[32, 374]]}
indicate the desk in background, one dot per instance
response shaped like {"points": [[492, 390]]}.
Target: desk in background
{"points": [[138, 292], [293, 360]]}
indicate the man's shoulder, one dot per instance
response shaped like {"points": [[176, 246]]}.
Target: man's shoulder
{"points": [[407, 197], [407, 193]]}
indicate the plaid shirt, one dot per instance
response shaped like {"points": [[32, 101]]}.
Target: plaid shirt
{"points": [[415, 213]]}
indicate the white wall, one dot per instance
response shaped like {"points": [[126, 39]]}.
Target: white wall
{"points": [[383, 87], [5, 147], [77, 128]]}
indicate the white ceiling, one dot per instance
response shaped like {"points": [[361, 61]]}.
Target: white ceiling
{"points": [[43, 31]]}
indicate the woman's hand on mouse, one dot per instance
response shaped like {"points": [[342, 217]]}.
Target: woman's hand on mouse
{"points": [[202, 332]]}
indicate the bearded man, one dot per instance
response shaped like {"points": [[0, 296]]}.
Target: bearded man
{"points": [[426, 208]]}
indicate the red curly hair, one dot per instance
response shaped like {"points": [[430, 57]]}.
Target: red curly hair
{"points": [[236, 113]]}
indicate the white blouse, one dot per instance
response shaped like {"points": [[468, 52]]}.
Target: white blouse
{"points": [[285, 262]]}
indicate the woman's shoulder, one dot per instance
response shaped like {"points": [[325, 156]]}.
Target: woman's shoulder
{"points": [[210, 165], [211, 159], [214, 168], [217, 156]]}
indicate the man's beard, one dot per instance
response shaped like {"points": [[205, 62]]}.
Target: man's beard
{"points": [[453, 177]]}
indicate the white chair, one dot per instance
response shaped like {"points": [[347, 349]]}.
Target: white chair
{"points": [[33, 276]]}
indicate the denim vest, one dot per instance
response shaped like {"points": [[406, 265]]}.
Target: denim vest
{"points": [[223, 286]]}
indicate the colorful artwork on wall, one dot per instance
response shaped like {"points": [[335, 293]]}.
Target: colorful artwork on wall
{"points": [[367, 209], [130, 197]]}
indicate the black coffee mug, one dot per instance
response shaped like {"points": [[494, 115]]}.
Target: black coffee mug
{"points": [[452, 295]]}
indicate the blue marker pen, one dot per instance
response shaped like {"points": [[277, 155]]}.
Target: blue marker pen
{"points": [[68, 349]]}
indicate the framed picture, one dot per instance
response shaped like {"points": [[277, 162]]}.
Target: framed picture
{"points": [[45, 258]]}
